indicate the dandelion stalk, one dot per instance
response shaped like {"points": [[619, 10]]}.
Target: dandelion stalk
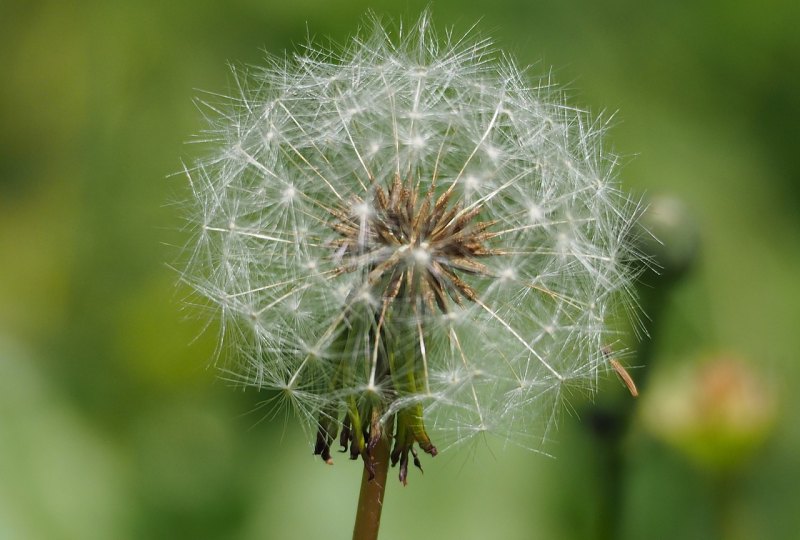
{"points": [[411, 243], [370, 499]]}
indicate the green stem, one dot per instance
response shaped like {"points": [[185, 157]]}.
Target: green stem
{"points": [[612, 464], [370, 500]]}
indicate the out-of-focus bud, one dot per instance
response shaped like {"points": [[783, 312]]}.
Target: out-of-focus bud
{"points": [[668, 238], [716, 412]]}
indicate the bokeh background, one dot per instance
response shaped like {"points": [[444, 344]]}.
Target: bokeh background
{"points": [[113, 424]]}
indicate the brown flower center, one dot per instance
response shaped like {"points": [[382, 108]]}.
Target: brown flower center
{"points": [[414, 248]]}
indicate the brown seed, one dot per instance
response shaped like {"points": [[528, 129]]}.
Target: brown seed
{"points": [[624, 376]]}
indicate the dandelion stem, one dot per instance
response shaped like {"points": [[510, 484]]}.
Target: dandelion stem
{"points": [[370, 500]]}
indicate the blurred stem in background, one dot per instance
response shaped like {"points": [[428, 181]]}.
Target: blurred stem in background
{"points": [[668, 239]]}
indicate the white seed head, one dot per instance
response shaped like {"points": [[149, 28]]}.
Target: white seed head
{"points": [[316, 217]]}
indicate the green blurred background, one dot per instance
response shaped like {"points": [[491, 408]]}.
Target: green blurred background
{"points": [[113, 424]]}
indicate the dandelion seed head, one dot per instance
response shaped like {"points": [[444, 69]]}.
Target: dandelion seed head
{"points": [[410, 224]]}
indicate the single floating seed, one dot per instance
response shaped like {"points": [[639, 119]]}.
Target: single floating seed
{"points": [[625, 377]]}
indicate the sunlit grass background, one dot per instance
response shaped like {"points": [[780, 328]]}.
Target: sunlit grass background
{"points": [[114, 425]]}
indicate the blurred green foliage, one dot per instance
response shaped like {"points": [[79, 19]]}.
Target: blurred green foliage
{"points": [[112, 423]]}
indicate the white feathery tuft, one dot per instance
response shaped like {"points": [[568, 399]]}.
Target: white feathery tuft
{"points": [[316, 135]]}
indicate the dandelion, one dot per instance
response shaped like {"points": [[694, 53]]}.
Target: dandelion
{"points": [[409, 242]]}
